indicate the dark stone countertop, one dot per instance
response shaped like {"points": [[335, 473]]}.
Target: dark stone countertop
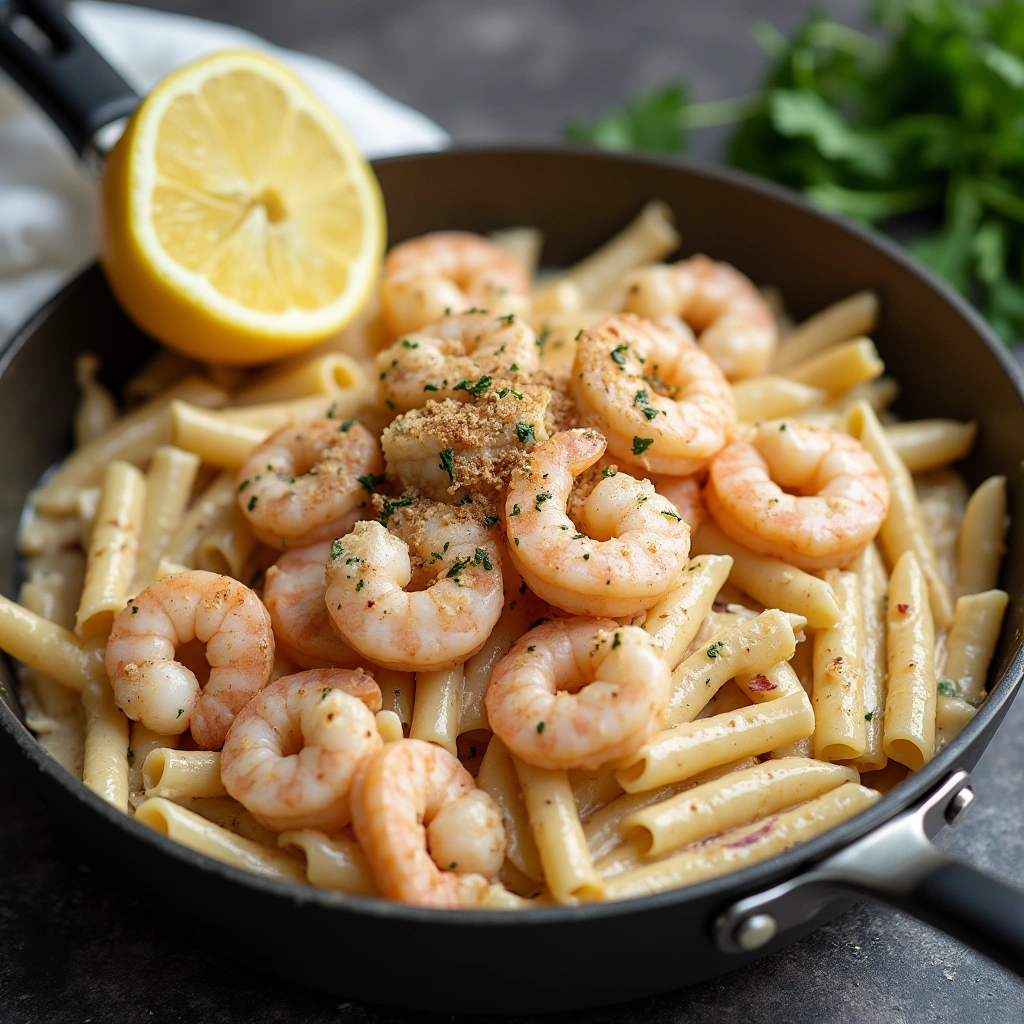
{"points": [[72, 949]]}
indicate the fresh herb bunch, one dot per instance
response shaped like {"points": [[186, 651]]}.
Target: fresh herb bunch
{"points": [[928, 118]]}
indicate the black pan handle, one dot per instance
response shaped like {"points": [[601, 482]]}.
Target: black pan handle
{"points": [[59, 68], [897, 864]]}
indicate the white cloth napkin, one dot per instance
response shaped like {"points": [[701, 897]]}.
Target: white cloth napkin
{"points": [[47, 200]]}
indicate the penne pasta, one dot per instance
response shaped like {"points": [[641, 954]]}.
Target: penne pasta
{"points": [[96, 409], [113, 548], [133, 438], [774, 583], [332, 862], [161, 371], [389, 725], [326, 374], [909, 731], [228, 543], [435, 713], [564, 854], [980, 544], [197, 833], [183, 547], [524, 244], [182, 774], [845, 319], [693, 747], [651, 236], [765, 398], [951, 715], [674, 621], [172, 472], [50, 649], [497, 777], [903, 529], [397, 690], [141, 744], [747, 845], [931, 444], [972, 642], [751, 646], [215, 439], [105, 760], [873, 584], [730, 801], [838, 690], [840, 368]]}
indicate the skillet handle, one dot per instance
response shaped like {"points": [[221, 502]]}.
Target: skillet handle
{"points": [[59, 68], [897, 864], [973, 907]]}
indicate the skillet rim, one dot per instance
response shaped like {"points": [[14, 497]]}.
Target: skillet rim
{"points": [[729, 887]]}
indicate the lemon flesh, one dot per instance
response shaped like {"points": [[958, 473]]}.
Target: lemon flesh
{"points": [[240, 223]]}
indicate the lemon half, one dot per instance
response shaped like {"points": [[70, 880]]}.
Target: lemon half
{"points": [[240, 223]]}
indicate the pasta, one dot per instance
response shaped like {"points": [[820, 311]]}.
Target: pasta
{"points": [[340, 666]]}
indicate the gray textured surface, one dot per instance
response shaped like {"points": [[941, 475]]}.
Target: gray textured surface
{"points": [[72, 949]]}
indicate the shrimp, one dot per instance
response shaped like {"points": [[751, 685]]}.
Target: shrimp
{"points": [[450, 272], [428, 833], [806, 494], [460, 357], [152, 687], [291, 752], [736, 325], [455, 570], [631, 546], [307, 481], [450, 449], [294, 595], [576, 693], [657, 398], [684, 493]]}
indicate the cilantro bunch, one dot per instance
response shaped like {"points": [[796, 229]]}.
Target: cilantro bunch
{"points": [[925, 119]]}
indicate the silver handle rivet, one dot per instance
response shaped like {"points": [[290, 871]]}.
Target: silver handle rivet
{"points": [[758, 930], [958, 806]]}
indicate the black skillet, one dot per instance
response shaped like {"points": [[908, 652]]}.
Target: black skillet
{"points": [[948, 363]]}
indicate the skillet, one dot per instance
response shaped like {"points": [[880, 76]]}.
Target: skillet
{"points": [[948, 362]]}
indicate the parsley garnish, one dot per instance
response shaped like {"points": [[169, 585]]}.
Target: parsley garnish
{"points": [[370, 481], [617, 642], [337, 550], [359, 585], [252, 502], [181, 711], [490, 521], [540, 499], [431, 387], [618, 353], [715, 649], [346, 426], [515, 510], [135, 609], [948, 688], [607, 471], [390, 507], [242, 486], [447, 462], [672, 515], [542, 339], [868, 715], [641, 444], [525, 433], [540, 727], [475, 388], [406, 343]]}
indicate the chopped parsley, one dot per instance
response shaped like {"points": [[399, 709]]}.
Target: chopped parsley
{"points": [[252, 502], [507, 319], [540, 727], [540, 499], [346, 426], [618, 353], [948, 688], [323, 693], [135, 609], [337, 550], [515, 510], [641, 444], [490, 521], [447, 463], [360, 585], [390, 507], [526, 433], [431, 387], [617, 642], [475, 388], [242, 486], [672, 515], [586, 557], [406, 343], [641, 400], [868, 715], [715, 649], [480, 557], [542, 339], [531, 648], [607, 471], [181, 711], [514, 368], [370, 481]]}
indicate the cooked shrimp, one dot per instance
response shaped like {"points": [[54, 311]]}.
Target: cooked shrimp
{"points": [[658, 399], [425, 828], [576, 693], [307, 481], [152, 687], [684, 493], [460, 357], [448, 555], [291, 752], [805, 494], [450, 449], [736, 325], [294, 595], [630, 547], [450, 272]]}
